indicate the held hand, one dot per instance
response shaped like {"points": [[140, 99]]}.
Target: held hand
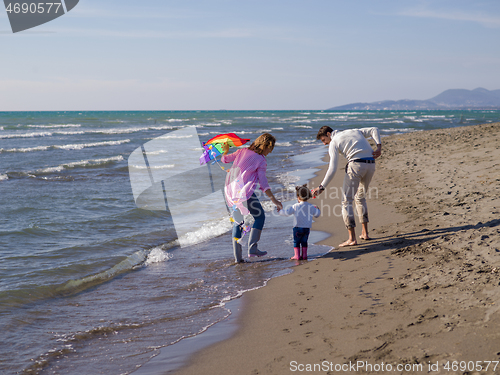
{"points": [[278, 204], [225, 148], [316, 192]]}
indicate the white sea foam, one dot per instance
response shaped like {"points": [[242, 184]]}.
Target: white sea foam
{"points": [[301, 126], [278, 129], [208, 230], [156, 167], [78, 146], [168, 136], [26, 135], [81, 163], [51, 169], [157, 152], [157, 255], [95, 144], [93, 162], [176, 120], [283, 144], [3, 177], [80, 132], [26, 149], [203, 124], [56, 126], [253, 118]]}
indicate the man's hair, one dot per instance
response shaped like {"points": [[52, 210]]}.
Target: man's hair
{"points": [[323, 130], [262, 142], [303, 192]]}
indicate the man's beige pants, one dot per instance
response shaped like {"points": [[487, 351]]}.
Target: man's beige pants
{"points": [[356, 182]]}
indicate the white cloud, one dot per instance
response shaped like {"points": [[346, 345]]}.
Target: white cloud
{"points": [[490, 21]]}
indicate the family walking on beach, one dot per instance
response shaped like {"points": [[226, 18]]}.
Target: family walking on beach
{"points": [[249, 169]]}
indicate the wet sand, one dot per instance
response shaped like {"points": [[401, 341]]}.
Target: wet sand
{"points": [[423, 293]]}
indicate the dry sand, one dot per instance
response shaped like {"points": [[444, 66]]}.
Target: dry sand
{"points": [[425, 290]]}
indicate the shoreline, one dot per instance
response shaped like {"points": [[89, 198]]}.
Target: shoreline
{"points": [[421, 293]]}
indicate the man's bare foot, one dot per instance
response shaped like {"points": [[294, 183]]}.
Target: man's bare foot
{"points": [[348, 243], [366, 238]]}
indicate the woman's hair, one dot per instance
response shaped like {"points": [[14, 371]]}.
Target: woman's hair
{"points": [[323, 130], [262, 142], [303, 192]]}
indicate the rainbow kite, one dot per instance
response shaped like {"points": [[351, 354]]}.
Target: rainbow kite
{"points": [[213, 147]]}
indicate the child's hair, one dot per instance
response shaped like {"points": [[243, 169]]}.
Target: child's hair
{"points": [[262, 142], [303, 193]]}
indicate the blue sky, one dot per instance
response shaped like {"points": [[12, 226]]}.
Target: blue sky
{"points": [[272, 54]]}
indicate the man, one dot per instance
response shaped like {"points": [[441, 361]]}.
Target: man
{"points": [[352, 144]]}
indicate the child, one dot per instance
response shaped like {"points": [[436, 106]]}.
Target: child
{"points": [[303, 213]]}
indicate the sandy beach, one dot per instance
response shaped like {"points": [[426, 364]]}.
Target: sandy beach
{"points": [[423, 296]]}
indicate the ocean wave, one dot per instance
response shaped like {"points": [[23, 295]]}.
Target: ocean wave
{"points": [[80, 164], [175, 120], [95, 144], [301, 126], [81, 132], [209, 124], [26, 135], [158, 152], [254, 118], [136, 260], [208, 230], [165, 166], [78, 146], [394, 122], [3, 177], [157, 255], [168, 136], [283, 144], [56, 126]]}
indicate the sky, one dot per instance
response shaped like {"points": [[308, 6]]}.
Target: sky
{"points": [[248, 55]]}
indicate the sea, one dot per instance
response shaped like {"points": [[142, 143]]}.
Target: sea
{"points": [[115, 243]]}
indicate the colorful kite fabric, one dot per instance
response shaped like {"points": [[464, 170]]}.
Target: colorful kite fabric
{"points": [[213, 147], [210, 153], [230, 138]]}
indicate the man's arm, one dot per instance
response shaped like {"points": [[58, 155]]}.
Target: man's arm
{"points": [[332, 168], [375, 135]]}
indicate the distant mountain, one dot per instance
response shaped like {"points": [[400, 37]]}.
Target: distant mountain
{"points": [[449, 99]]}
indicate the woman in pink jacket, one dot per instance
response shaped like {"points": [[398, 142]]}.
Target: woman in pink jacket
{"points": [[248, 170]]}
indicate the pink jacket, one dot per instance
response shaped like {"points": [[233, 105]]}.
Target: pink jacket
{"points": [[249, 168]]}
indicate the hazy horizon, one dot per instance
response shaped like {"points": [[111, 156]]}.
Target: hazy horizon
{"points": [[228, 55]]}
